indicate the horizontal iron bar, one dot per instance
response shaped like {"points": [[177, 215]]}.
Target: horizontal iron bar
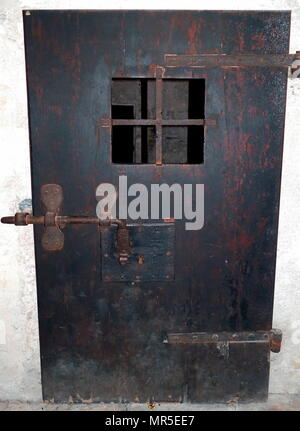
{"points": [[60, 219], [272, 337], [53, 238], [188, 122], [230, 60], [23, 219]]}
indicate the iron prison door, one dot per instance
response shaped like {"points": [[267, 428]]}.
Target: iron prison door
{"points": [[151, 97]]}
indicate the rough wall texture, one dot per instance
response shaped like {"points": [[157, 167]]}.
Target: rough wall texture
{"points": [[19, 347]]}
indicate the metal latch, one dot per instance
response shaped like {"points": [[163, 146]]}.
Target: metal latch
{"points": [[273, 337], [53, 237]]}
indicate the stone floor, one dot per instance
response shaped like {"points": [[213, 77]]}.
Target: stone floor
{"points": [[275, 403]]}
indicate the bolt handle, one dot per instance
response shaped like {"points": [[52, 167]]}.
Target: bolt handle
{"points": [[53, 237]]}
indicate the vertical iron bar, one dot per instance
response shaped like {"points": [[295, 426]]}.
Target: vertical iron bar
{"points": [[159, 101], [138, 130], [144, 115]]}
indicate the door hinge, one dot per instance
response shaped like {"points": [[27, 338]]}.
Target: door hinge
{"points": [[226, 61], [273, 337]]}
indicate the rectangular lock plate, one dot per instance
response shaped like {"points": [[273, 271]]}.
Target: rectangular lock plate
{"points": [[151, 258]]}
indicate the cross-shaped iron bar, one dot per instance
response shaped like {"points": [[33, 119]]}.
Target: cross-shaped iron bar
{"points": [[159, 122]]}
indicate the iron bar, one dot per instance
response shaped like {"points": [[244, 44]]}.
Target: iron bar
{"points": [[159, 102], [170, 123], [273, 337], [231, 60]]}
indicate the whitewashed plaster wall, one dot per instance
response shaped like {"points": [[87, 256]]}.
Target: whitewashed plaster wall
{"points": [[19, 346]]}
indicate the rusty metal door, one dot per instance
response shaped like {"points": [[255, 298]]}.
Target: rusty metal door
{"points": [[188, 317]]}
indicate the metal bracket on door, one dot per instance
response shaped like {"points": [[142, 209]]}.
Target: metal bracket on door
{"points": [[53, 237], [292, 61], [273, 337]]}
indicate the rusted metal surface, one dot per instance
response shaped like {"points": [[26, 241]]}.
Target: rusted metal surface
{"points": [[158, 101], [123, 243], [151, 257], [273, 337], [231, 60], [19, 219], [52, 197], [276, 340], [52, 219], [295, 66], [103, 339], [177, 123], [53, 237]]}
